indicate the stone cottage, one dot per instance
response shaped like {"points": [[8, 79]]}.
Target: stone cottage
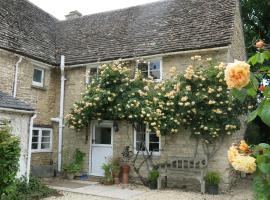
{"points": [[164, 33]]}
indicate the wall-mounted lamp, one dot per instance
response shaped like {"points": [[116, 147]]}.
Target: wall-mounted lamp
{"points": [[115, 126]]}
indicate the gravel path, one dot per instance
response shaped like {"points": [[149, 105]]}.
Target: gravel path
{"points": [[241, 192]]}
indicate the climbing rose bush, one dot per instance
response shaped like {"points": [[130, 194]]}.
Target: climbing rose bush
{"points": [[197, 99]]}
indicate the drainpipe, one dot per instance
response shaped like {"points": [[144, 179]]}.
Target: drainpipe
{"points": [[28, 167], [16, 76], [61, 114]]}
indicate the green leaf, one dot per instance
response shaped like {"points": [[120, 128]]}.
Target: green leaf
{"points": [[264, 145], [253, 60], [251, 92], [265, 113], [266, 55], [260, 58], [254, 81], [265, 68], [266, 92], [252, 116], [239, 94], [260, 159], [264, 168]]}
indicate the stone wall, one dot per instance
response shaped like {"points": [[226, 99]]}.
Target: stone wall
{"points": [[43, 100], [19, 127]]}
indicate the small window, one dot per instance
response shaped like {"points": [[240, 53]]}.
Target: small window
{"points": [[91, 72], [38, 76], [151, 68], [144, 139], [42, 140]]}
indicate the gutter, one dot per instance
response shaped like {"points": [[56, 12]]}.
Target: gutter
{"points": [[60, 119], [17, 111], [16, 76], [225, 48], [28, 166]]}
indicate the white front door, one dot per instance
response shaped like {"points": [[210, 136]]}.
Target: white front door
{"points": [[102, 149]]}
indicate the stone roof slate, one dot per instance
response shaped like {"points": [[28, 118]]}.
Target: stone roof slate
{"points": [[160, 27], [7, 101]]}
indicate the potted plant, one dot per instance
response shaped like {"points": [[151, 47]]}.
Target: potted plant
{"points": [[116, 169], [212, 180], [108, 178], [125, 165], [152, 178], [71, 170]]}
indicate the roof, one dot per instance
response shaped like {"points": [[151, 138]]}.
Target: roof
{"points": [[28, 30], [160, 27], [7, 101]]}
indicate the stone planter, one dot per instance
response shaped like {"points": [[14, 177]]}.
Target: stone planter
{"points": [[153, 185], [212, 189]]}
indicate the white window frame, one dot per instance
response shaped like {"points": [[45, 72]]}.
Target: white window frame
{"points": [[40, 129], [161, 67], [87, 73], [38, 84], [147, 138]]}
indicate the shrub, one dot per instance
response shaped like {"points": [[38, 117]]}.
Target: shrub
{"points": [[9, 154], [153, 175], [76, 164], [212, 178], [34, 190]]}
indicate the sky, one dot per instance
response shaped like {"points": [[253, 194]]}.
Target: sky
{"points": [[60, 8]]}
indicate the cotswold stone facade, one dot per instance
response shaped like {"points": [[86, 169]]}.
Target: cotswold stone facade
{"points": [[172, 31]]}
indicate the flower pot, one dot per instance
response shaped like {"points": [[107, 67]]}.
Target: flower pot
{"points": [[70, 176], [212, 189], [116, 180], [125, 173], [153, 185]]}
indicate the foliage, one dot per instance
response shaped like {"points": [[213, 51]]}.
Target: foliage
{"points": [[256, 20], [9, 159], [153, 176], [199, 95], [34, 190], [115, 166], [108, 177], [212, 178], [76, 164], [260, 69]]}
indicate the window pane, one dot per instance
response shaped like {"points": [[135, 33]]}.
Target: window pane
{"points": [[140, 146], [153, 137], [143, 66], [37, 77], [155, 65], [45, 139], [46, 133], [45, 145], [102, 135], [92, 71], [155, 74], [154, 147], [34, 146], [35, 133], [34, 139]]}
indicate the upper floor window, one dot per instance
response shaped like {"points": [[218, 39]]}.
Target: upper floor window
{"points": [[42, 139], [91, 72], [151, 68], [146, 140], [38, 77]]}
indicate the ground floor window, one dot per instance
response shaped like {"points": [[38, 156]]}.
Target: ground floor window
{"points": [[41, 139], [146, 140]]}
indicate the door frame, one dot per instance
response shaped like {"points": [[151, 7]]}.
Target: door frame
{"points": [[91, 130]]}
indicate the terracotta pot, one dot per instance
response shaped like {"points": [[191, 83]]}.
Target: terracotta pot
{"points": [[116, 180], [125, 172]]}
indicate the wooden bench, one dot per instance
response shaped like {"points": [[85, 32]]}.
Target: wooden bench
{"points": [[185, 167]]}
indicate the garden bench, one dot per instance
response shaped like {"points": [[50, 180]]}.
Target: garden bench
{"points": [[186, 167]]}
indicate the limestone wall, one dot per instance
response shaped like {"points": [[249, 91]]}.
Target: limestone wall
{"points": [[43, 100]]}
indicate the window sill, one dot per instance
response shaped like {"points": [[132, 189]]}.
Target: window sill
{"points": [[41, 151], [39, 87], [155, 154]]}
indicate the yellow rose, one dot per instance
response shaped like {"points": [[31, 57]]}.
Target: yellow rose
{"points": [[244, 147], [237, 74], [232, 153], [245, 164]]}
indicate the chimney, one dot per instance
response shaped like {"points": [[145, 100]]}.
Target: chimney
{"points": [[73, 14]]}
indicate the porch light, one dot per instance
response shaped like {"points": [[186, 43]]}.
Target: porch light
{"points": [[115, 126]]}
